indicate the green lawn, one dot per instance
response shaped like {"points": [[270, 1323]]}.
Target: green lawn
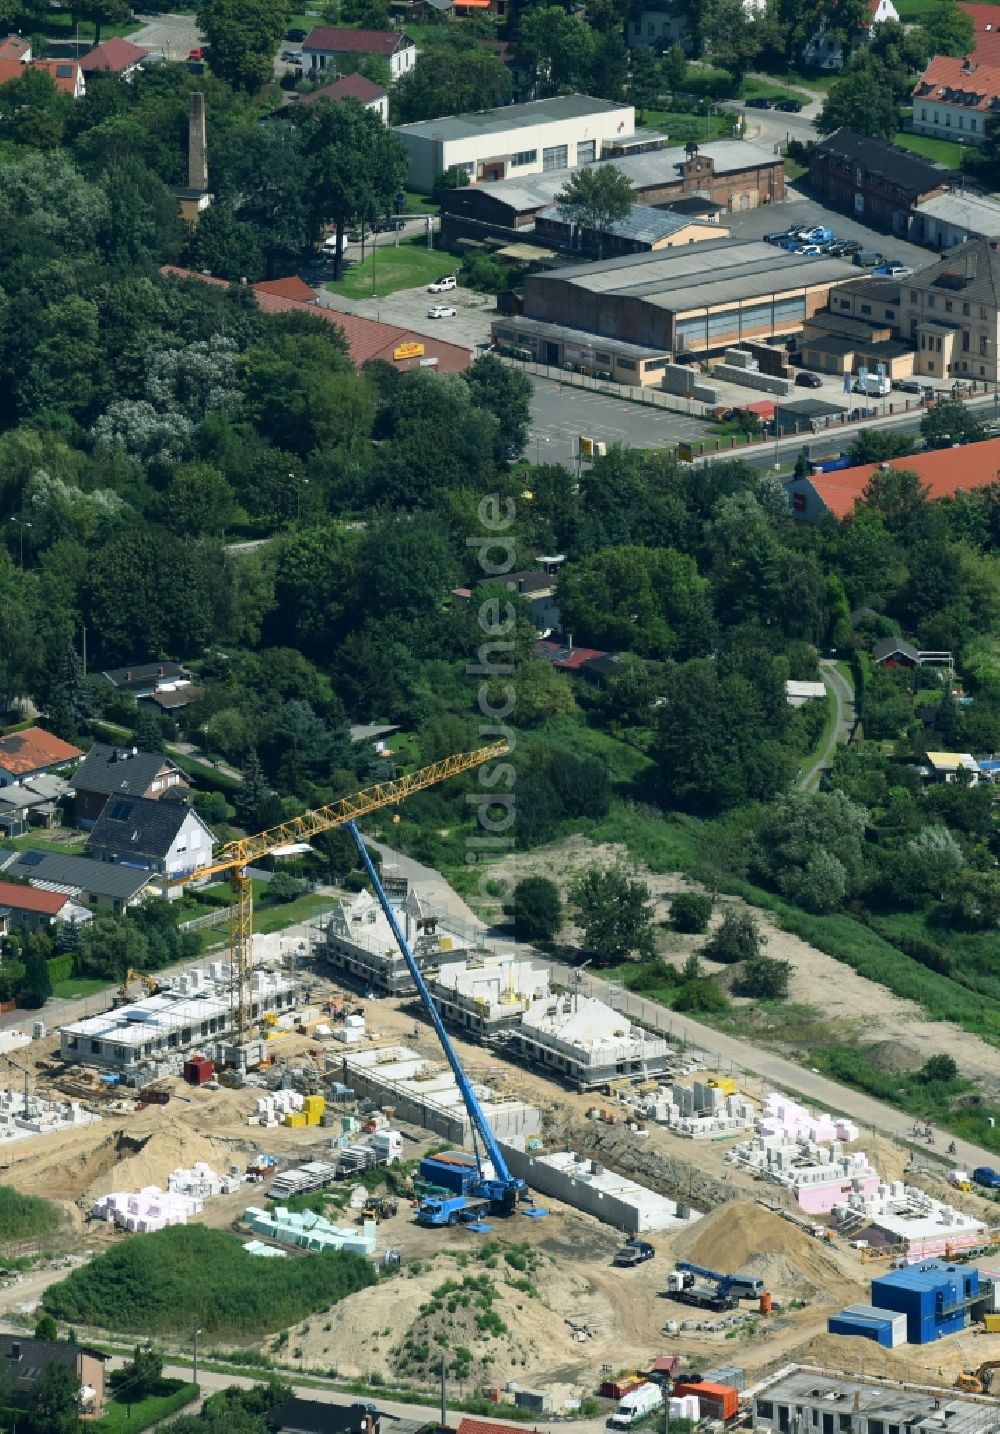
{"points": [[39, 838], [752, 88], [406, 266], [913, 11], [303, 908], [943, 150], [123, 1418], [820, 80], [418, 204], [683, 127], [79, 986], [58, 25]]}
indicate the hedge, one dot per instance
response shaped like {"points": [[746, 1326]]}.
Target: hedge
{"points": [[60, 967]]}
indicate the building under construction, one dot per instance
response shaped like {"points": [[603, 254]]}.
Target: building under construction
{"points": [[588, 1044], [359, 943], [193, 1010]]}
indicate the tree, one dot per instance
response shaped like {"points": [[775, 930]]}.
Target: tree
{"points": [[139, 1376], [456, 176], [46, 1327], [252, 792], [878, 445], [537, 909], [863, 101], [764, 977], [644, 79], [70, 708], [594, 198], [450, 79], [934, 858], [948, 30], [948, 423], [284, 887], [737, 938], [701, 996], [690, 912], [938, 1068], [649, 601], [55, 1402], [36, 987], [614, 911], [242, 37], [732, 34], [356, 166], [228, 247], [810, 846], [506, 393], [555, 49], [674, 66]]}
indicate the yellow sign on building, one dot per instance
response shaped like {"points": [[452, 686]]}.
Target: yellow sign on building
{"points": [[405, 351]]}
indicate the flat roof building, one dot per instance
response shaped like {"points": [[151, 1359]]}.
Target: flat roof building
{"points": [[699, 299], [587, 1043], [832, 1403], [642, 230], [533, 138], [194, 1010]]}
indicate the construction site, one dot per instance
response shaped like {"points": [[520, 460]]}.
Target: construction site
{"points": [[623, 1211]]}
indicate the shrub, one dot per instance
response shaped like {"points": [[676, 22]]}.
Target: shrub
{"points": [[537, 909], [23, 1216], [690, 912], [737, 939], [701, 995]]}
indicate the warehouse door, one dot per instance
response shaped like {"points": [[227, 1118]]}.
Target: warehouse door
{"points": [[586, 151], [557, 157]]}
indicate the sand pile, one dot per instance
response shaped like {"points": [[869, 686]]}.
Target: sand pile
{"points": [[740, 1236], [170, 1146], [834, 1351]]}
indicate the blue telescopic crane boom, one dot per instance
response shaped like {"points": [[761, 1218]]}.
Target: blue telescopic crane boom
{"points": [[504, 1190]]}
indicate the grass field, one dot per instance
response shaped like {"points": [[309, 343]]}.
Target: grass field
{"points": [[303, 908], [122, 1416], [58, 25], [752, 88], [403, 266], [684, 127], [77, 987], [819, 80], [943, 150]]}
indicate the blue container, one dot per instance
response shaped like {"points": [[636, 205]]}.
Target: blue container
{"points": [[448, 1174], [933, 1296], [862, 1326]]}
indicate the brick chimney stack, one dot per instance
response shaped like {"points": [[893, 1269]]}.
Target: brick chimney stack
{"points": [[197, 144]]}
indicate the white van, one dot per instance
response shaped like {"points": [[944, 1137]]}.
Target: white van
{"points": [[635, 1405], [874, 385]]}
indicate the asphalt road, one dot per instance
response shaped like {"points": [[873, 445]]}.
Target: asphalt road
{"points": [[172, 36], [561, 413], [843, 697]]}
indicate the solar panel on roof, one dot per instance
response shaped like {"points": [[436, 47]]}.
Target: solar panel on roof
{"points": [[119, 812], [32, 858]]}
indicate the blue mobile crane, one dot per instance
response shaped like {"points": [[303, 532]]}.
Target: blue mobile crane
{"points": [[497, 1194], [721, 1292]]}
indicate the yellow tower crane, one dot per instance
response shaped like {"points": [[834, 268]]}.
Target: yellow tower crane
{"points": [[235, 857]]}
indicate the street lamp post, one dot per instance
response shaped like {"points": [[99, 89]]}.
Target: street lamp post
{"points": [[194, 1360], [21, 525]]}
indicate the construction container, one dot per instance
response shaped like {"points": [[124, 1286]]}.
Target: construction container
{"points": [[884, 1327], [296, 1119], [197, 1070], [446, 1170], [934, 1296], [313, 1107], [725, 1084], [537, 1402], [991, 1323], [717, 1401], [618, 1388]]}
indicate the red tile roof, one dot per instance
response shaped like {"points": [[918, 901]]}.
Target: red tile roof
{"points": [[366, 338], [291, 288], [33, 750], [943, 473], [29, 898], [488, 1426], [339, 41], [351, 87], [986, 37], [66, 73], [14, 47], [951, 80], [115, 55]]}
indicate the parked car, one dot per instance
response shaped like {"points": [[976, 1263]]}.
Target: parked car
{"points": [[389, 226], [196, 54], [907, 385], [292, 57], [986, 1176], [804, 248], [779, 236], [760, 102], [442, 285], [868, 258], [808, 380], [791, 107], [818, 234], [441, 311], [891, 270], [296, 36], [844, 248]]}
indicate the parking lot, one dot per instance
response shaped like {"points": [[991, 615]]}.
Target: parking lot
{"points": [[560, 414], [469, 327], [797, 209]]}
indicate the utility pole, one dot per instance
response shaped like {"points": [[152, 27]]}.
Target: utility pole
{"points": [[21, 525], [194, 1359], [444, 1401]]}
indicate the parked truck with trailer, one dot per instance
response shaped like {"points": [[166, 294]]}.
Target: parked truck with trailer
{"points": [[636, 1405], [987, 1177]]}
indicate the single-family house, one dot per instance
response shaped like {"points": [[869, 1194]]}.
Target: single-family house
{"points": [[27, 908], [956, 98], [946, 766], [352, 87], [26, 1360], [123, 771], [942, 475], [895, 652], [116, 57], [99, 885], [310, 1416], [30, 753], [15, 47], [326, 44], [142, 679], [31, 803], [826, 50], [66, 74], [167, 838]]}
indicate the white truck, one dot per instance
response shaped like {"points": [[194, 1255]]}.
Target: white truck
{"points": [[635, 1405]]}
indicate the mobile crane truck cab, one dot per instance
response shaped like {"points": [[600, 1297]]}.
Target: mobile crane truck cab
{"points": [[635, 1405]]}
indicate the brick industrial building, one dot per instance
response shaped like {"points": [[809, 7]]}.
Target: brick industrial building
{"points": [[699, 299], [879, 184]]}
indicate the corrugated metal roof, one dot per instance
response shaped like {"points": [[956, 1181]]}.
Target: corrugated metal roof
{"points": [[541, 329], [645, 225], [975, 212]]}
